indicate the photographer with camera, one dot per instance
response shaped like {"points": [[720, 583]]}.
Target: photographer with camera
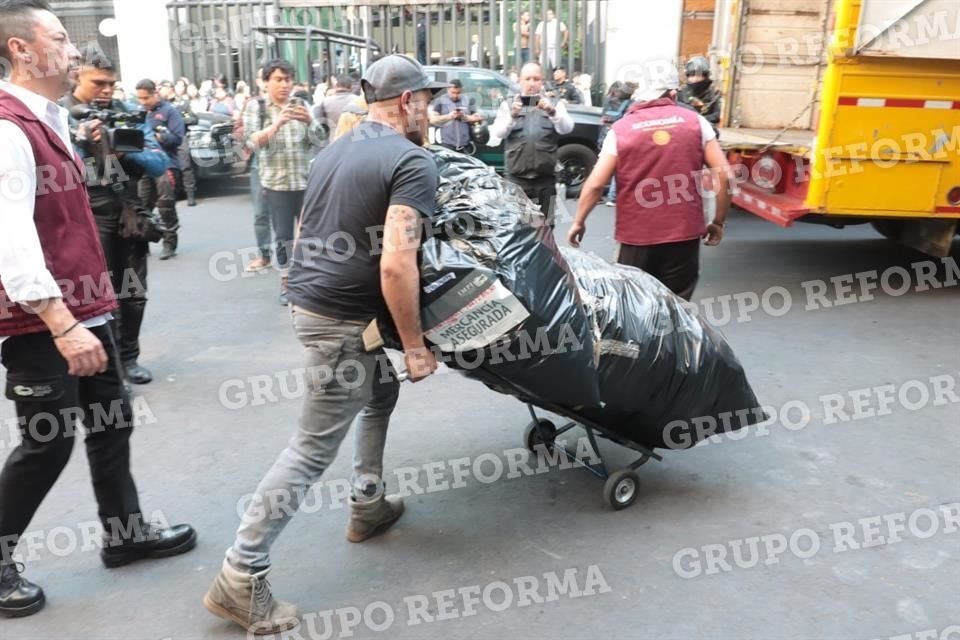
{"points": [[166, 124], [112, 191], [531, 126]]}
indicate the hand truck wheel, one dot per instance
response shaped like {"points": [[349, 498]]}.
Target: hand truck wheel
{"points": [[545, 435], [621, 488]]}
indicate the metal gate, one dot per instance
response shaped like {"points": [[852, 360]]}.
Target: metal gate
{"points": [[210, 37]]}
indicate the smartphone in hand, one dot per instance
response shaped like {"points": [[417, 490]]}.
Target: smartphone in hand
{"points": [[529, 101]]}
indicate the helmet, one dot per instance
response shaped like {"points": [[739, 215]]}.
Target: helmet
{"points": [[480, 133], [698, 65]]}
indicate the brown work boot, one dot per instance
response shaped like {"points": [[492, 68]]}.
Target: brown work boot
{"points": [[370, 518], [246, 599], [257, 264]]}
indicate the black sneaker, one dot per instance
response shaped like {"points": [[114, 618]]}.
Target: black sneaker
{"points": [[167, 252], [154, 543], [18, 596]]}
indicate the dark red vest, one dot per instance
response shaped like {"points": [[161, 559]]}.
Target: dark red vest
{"points": [[65, 225], [659, 162]]}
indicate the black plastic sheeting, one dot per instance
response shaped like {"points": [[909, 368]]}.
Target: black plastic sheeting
{"points": [[486, 230], [666, 378], [607, 343]]}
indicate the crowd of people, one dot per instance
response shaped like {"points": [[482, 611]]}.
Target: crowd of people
{"points": [[68, 356]]}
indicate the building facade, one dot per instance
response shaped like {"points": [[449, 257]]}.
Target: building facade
{"points": [[609, 39]]}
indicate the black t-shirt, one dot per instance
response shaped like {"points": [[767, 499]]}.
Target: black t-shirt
{"points": [[352, 183]]}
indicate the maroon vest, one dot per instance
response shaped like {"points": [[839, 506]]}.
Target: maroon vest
{"points": [[659, 161], [65, 225]]}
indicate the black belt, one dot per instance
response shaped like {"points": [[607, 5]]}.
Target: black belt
{"points": [[458, 149]]}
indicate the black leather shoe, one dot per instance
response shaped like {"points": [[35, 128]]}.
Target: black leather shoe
{"points": [[137, 374], [155, 543], [18, 596]]}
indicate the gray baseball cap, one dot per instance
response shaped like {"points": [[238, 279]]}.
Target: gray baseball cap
{"points": [[391, 75]]}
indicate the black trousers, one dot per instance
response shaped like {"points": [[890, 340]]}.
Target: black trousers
{"points": [[187, 179], [540, 190], [284, 207], [162, 193], [48, 400], [127, 264], [675, 264]]}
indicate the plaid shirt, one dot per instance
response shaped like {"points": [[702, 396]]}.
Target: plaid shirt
{"points": [[285, 161]]}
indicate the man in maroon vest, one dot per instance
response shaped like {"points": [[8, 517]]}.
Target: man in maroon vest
{"points": [[658, 151], [55, 302]]}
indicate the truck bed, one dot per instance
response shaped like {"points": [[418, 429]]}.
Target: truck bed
{"points": [[793, 141]]}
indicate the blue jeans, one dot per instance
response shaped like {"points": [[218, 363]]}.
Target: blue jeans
{"points": [[342, 382], [261, 214], [612, 191], [284, 207]]}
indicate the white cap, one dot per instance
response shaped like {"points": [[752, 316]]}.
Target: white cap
{"points": [[658, 83]]}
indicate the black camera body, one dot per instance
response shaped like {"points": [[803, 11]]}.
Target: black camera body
{"points": [[121, 127]]}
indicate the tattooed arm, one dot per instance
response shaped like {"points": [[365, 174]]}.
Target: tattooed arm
{"points": [[400, 282]]}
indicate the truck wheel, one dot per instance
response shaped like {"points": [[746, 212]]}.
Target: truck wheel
{"points": [[577, 161]]}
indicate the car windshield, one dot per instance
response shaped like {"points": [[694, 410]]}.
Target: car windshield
{"points": [[487, 91]]}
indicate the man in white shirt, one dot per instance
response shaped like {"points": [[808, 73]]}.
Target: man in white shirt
{"points": [[57, 347], [546, 39], [475, 50], [531, 126]]}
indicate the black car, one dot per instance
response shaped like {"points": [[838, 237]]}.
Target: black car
{"points": [[214, 152], [488, 89]]}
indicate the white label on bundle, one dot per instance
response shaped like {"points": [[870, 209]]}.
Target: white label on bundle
{"points": [[487, 317]]}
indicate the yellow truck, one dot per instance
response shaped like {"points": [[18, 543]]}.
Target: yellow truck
{"points": [[843, 112]]}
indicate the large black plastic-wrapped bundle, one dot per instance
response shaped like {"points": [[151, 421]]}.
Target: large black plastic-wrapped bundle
{"points": [[496, 295], [666, 378], [606, 343]]}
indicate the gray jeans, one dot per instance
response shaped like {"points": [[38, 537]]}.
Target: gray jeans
{"points": [[341, 382]]}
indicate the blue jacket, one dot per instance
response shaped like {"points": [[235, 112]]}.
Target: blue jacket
{"points": [[166, 115], [151, 160]]}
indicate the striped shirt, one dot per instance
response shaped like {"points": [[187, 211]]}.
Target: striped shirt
{"points": [[285, 160]]}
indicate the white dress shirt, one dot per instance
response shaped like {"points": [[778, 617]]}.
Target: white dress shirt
{"points": [[502, 126], [23, 270]]}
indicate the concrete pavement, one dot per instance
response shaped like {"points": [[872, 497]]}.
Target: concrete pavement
{"points": [[679, 564]]}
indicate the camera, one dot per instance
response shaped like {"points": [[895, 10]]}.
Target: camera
{"points": [[123, 134]]}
